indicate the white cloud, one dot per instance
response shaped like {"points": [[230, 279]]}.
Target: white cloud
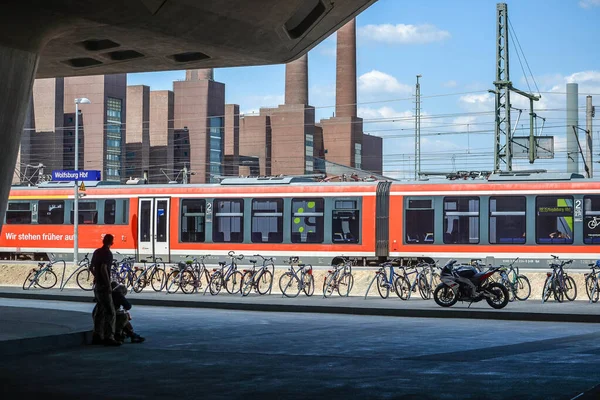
{"points": [[380, 82], [584, 76], [384, 113], [450, 84], [460, 124], [477, 102], [403, 34], [589, 3]]}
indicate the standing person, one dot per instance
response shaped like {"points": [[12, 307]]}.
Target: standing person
{"points": [[104, 312]]}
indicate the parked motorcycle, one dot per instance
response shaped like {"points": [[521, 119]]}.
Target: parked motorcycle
{"points": [[466, 283]]}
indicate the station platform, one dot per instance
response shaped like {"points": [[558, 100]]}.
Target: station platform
{"points": [[29, 330], [530, 310]]}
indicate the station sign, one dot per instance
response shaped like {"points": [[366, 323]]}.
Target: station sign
{"points": [[81, 175]]}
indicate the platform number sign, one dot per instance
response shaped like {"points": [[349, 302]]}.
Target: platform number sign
{"points": [[578, 212], [208, 211]]}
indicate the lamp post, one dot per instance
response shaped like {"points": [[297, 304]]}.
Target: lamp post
{"points": [[78, 101]]}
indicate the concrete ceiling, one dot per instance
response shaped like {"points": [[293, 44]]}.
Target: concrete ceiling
{"points": [[90, 37]]}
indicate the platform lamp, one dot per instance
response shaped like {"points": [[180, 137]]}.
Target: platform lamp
{"points": [[78, 101]]}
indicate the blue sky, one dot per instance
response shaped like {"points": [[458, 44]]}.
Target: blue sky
{"points": [[452, 45]]}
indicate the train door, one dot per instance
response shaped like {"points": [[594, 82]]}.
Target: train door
{"points": [[153, 227]]}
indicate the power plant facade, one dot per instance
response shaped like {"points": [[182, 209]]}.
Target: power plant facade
{"points": [[190, 135]]}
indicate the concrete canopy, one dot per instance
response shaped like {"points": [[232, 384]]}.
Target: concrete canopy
{"points": [[89, 37]]}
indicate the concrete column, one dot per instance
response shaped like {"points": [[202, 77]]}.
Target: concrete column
{"points": [[296, 81], [17, 69], [200, 74], [572, 128], [345, 90]]}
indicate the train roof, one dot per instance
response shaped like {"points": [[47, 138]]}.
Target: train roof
{"points": [[456, 178]]}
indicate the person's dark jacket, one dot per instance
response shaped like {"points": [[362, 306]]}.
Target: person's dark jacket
{"points": [[119, 299], [102, 258]]}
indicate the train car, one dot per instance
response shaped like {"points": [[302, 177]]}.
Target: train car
{"points": [[495, 220], [527, 215], [276, 217]]}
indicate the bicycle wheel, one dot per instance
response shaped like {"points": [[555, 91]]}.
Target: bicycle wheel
{"points": [[559, 294], [383, 287], [523, 288], [424, 288], [511, 288], [85, 279], [547, 291], [173, 282], [187, 281], [345, 284], [157, 279], [309, 285], [329, 284], [570, 289], [46, 279], [233, 283], [216, 283], [29, 280], [402, 287], [289, 285], [247, 283], [139, 281], [591, 288], [264, 282]]}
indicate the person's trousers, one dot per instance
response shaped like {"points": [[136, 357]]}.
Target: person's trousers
{"points": [[104, 315], [121, 323]]}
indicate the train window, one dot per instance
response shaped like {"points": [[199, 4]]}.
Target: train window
{"points": [[307, 220], [18, 213], [507, 219], [51, 212], [419, 221], [461, 220], [267, 221], [554, 219], [192, 220], [125, 215], [591, 219], [345, 222], [229, 221], [110, 210], [88, 215]]}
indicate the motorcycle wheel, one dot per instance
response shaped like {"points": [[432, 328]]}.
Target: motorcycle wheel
{"points": [[501, 294], [444, 296]]}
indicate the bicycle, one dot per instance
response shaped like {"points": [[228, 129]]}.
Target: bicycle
{"points": [[83, 275], [123, 271], [230, 278], [187, 275], [152, 274], [518, 285], [43, 277], [292, 282], [386, 283], [261, 279], [559, 283], [591, 282], [428, 279], [339, 278]]}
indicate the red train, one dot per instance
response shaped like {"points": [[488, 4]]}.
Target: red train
{"points": [[505, 216]]}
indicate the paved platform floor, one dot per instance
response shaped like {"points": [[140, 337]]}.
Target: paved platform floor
{"points": [[195, 353], [530, 310], [27, 329]]}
